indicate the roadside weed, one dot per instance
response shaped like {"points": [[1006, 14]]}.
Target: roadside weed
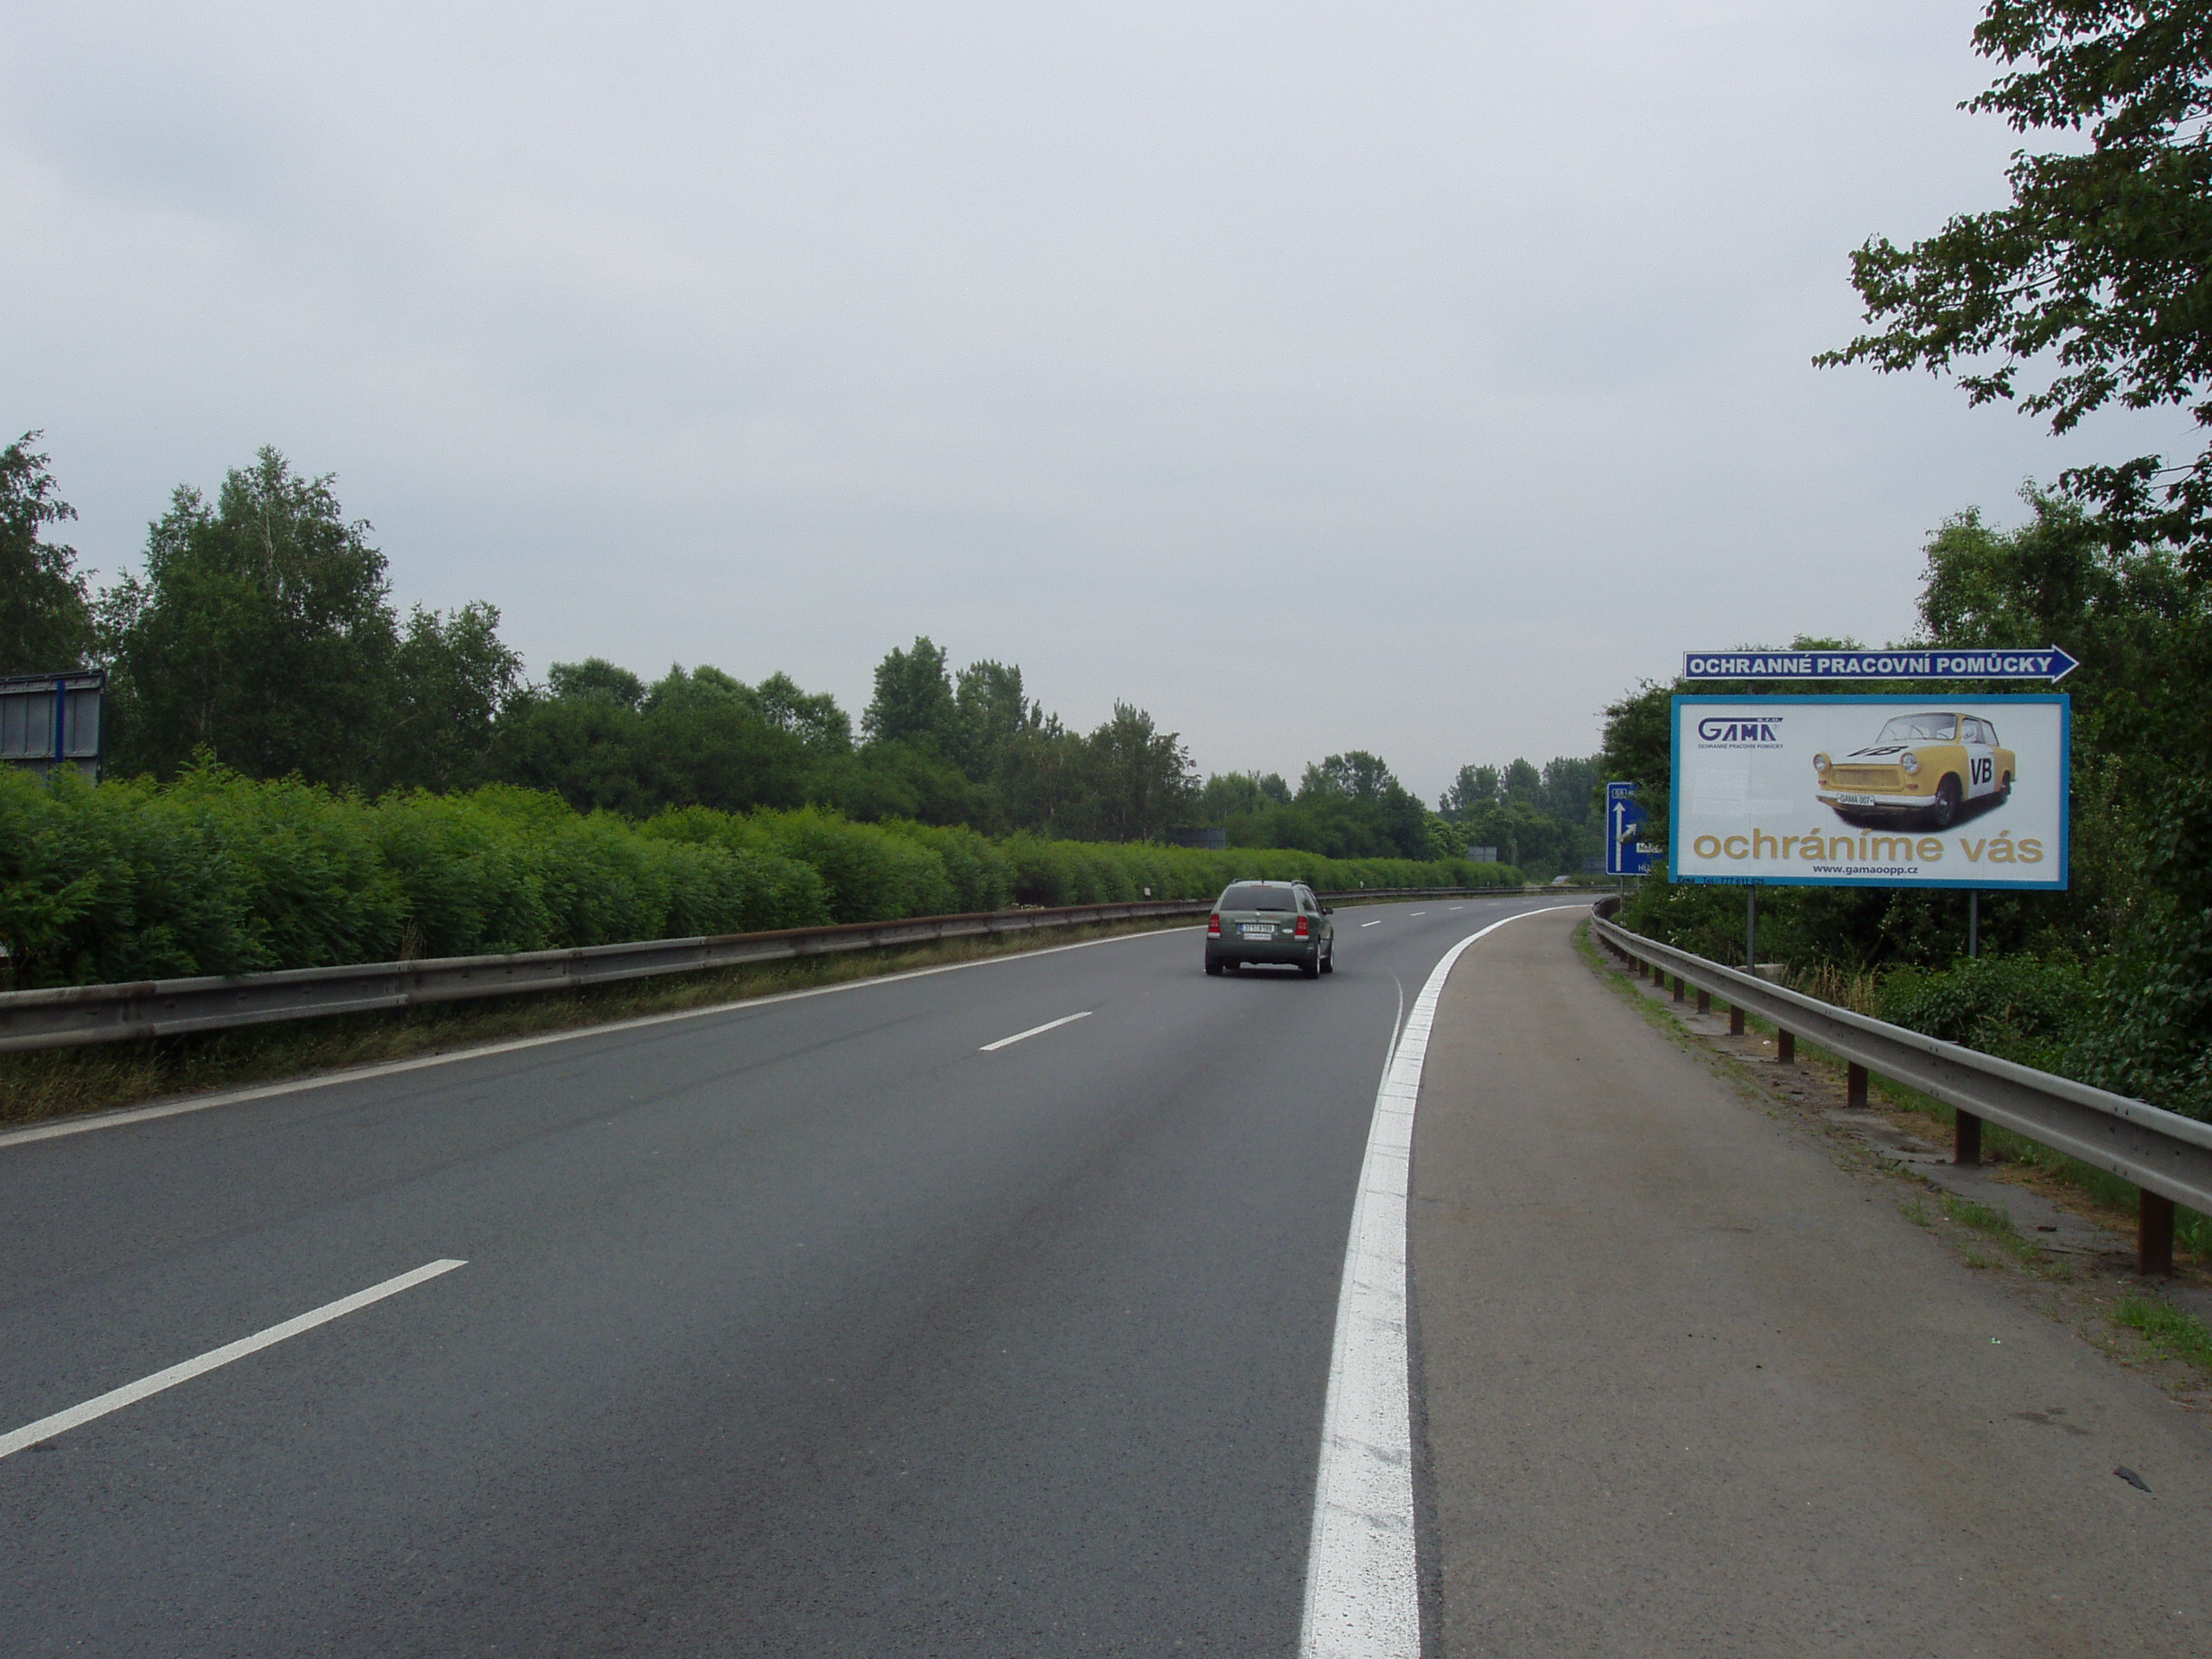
{"points": [[2167, 1330]]}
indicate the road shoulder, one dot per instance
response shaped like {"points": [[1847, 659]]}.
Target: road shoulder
{"points": [[1689, 1387]]}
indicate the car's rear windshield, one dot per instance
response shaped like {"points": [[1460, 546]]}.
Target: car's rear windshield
{"points": [[1258, 898]]}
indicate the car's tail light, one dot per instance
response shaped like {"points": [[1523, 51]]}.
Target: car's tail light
{"points": [[1213, 927], [1302, 926]]}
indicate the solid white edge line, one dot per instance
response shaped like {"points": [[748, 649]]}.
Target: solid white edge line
{"points": [[391, 1068], [130, 1393], [1034, 1031], [1363, 1594]]}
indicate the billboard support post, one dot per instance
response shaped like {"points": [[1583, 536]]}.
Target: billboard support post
{"points": [[1973, 923], [1751, 929]]}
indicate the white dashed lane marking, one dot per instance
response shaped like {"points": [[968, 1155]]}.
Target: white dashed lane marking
{"points": [[1034, 1031]]}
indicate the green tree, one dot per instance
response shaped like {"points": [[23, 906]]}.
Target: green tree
{"points": [[45, 620], [914, 701], [258, 631], [816, 719], [452, 677], [1569, 788], [1226, 795], [1474, 787], [601, 739], [2140, 905], [2094, 276], [1522, 785], [990, 711], [1141, 776], [595, 677], [902, 781], [1445, 837], [1348, 805], [705, 742], [1357, 776]]}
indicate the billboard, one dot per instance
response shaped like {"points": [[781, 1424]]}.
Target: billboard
{"points": [[1873, 791], [52, 720]]}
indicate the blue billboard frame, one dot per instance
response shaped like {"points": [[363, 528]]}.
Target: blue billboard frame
{"points": [[2064, 700]]}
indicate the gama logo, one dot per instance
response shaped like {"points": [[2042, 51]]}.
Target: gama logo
{"points": [[1740, 732]]}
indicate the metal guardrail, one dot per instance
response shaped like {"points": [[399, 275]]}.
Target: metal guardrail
{"points": [[1358, 894], [70, 1016], [2168, 1157]]}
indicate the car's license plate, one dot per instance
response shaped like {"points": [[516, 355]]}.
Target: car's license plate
{"points": [[1258, 931], [1857, 800]]}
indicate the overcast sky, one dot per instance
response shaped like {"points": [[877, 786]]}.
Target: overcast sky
{"points": [[1413, 377]]}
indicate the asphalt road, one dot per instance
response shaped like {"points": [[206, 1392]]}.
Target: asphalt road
{"points": [[808, 1327]]}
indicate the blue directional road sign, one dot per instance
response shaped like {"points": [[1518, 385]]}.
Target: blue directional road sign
{"points": [[2048, 664], [1627, 853]]}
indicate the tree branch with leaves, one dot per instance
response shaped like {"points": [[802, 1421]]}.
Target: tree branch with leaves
{"points": [[2093, 287]]}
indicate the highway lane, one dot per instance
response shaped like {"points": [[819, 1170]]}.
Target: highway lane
{"points": [[805, 1327]]}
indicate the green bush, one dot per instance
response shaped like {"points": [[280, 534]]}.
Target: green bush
{"points": [[219, 874], [981, 876], [133, 881], [471, 886], [872, 873], [2017, 1008]]}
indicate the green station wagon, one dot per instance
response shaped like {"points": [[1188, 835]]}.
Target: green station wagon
{"points": [[1271, 921]]}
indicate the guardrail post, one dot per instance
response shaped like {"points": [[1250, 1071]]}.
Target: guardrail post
{"points": [[2154, 1234], [1678, 988], [2141, 1143]]}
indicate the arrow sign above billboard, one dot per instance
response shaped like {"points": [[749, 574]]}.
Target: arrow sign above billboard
{"points": [[2048, 664]]}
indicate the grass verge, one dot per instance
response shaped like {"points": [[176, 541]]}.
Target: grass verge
{"points": [[1994, 1225], [2109, 1199], [2065, 1179], [2169, 1332], [58, 1083]]}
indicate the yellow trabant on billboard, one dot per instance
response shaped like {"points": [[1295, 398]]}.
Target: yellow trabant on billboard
{"points": [[1921, 768]]}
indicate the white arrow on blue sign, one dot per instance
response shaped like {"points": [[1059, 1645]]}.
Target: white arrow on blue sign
{"points": [[2048, 664], [1626, 851]]}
